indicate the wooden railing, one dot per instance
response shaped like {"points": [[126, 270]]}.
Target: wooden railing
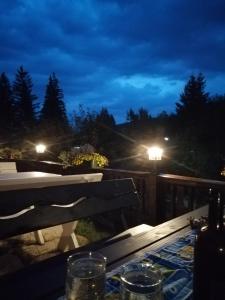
{"points": [[163, 197], [177, 195]]}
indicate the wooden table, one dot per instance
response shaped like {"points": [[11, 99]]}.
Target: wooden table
{"points": [[23, 180], [45, 280], [20, 180]]}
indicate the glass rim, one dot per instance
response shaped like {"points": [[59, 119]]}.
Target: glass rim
{"points": [[153, 286], [86, 254]]}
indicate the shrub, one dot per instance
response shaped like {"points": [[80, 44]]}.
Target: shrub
{"points": [[70, 158]]}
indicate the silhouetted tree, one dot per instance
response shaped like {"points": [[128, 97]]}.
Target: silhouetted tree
{"points": [[132, 116], [96, 129], [193, 100], [85, 127], [105, 118], [141, 116], [7, 112], [24, 103], [54, 124], [139, 124], [191, 132], [214, 140], [105, 125]]}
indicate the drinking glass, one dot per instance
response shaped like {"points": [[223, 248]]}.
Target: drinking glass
{"points": [[85, 278], [141, 281]]}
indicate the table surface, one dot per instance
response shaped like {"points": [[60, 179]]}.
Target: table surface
{"points": [[22, 175], [45, 280], [21, 179]]}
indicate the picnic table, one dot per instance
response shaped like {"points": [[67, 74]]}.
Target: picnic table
{"points": [[46, 279]]}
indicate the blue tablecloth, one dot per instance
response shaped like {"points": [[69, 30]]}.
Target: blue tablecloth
{"points": [[175, 261]]}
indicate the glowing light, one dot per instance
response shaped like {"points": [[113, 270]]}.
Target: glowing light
{"points": [[166, 138], [155, 153], [40, 148]]}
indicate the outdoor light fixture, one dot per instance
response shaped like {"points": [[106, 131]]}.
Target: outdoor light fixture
{"points": [[155, 153], [166, 138], [40, 148]]}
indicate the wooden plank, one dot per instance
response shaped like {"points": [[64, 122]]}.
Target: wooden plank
{"points": [[191, 181], [133, 244], [28, 180], [51, 206]]}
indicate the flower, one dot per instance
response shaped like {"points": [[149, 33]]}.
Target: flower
{"points": [[77, 159], [98, 159]]}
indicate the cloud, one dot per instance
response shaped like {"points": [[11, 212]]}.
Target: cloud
{"points": [[118, 54]]}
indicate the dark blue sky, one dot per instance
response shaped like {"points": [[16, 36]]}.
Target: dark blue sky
{"points": [[115, 53]]}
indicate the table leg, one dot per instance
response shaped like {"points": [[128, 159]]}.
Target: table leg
{"points": [[68, 238], [39, 237]]}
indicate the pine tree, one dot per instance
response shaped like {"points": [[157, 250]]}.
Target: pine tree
{"points": [[193, 100], [141, 116], [191, 131], [7, 112], [24, 103], [104, 118], [105, 125], [132, 116], [54, 123], [85, 127]]}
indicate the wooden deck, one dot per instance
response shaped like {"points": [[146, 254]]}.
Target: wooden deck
{"points": [[46, 279]]}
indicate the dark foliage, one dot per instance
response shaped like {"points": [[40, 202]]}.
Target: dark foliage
{"points": [[97, 129], [7, 112], [25, 106], [53, 122], [199, 122], [53, 109], [193, 100], [85, 127]]}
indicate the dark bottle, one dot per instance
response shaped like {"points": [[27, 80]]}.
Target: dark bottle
{"points": [[209, 253]]}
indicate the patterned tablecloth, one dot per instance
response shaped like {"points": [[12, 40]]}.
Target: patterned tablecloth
{"points": [[175, 261]]}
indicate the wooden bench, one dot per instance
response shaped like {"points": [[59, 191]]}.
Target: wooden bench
{"points": [[26, 180], [28, 210]]}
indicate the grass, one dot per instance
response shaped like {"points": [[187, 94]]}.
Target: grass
{"points": [[88, 229]]}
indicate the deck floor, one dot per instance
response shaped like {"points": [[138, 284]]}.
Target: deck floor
{"points": [[20, 251]]}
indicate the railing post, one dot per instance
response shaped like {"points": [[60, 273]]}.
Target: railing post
{"points": [[151, 198]]}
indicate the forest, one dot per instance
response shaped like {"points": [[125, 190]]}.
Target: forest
{"points": [[192, 137]]}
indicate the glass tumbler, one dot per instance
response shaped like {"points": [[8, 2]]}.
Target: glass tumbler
{"points": [[140, 281], [85, 278]]}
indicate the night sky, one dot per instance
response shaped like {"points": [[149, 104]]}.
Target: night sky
{"points": [[119, 54]]}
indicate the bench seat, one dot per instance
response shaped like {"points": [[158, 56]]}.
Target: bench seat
{"points": [[33, 209]]}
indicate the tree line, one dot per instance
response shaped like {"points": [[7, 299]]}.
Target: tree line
{"points": [[21, 119], [195, 144]]}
